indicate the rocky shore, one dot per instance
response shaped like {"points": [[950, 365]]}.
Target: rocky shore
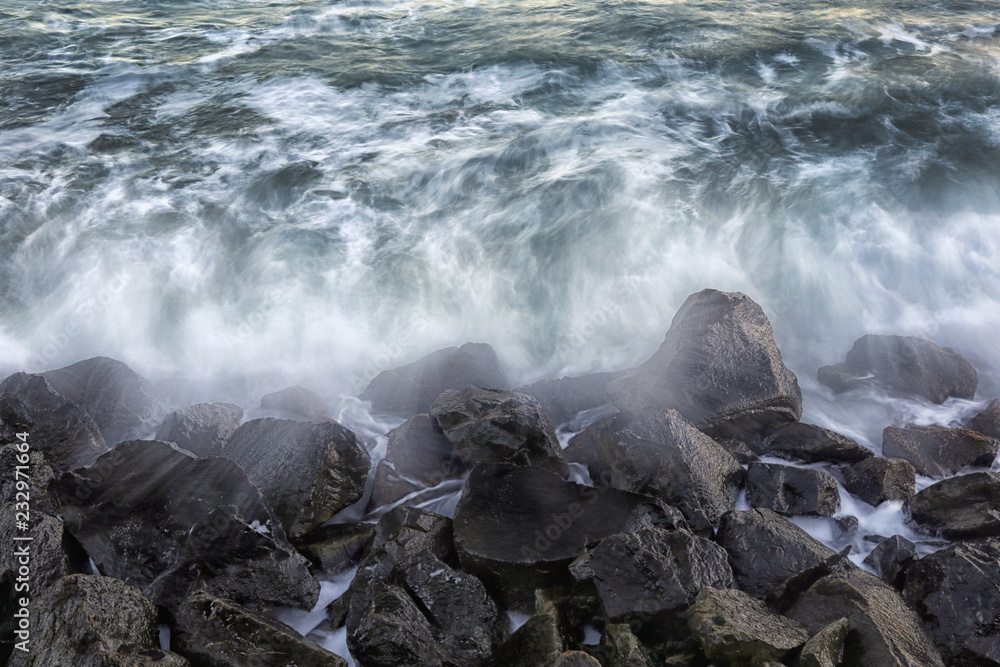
{"points": [[660, 534]]}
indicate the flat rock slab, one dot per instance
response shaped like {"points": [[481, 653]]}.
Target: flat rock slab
{"points": [[904, 364], [718, 366], [792, 491], [879, 479], [936, 451], [202, 429], [306, 471], [295, 401], [962, 507], [812, 444]]}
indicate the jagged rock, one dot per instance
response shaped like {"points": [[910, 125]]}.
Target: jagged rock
{"points": [[202, 429], [644, 576], [488, 426], [295, 401], [91, 621], [905, 364], [214, 632], [335, 548], [735, 629], [621, 648], [666, 457], [576, 659], [118, 399], [826, 647], [791, 490], [414, 387], [167, 522], [393, 631], [61, 429], [718, 366], [766, 550], [987, 422], [879, 479], [51, 553], [891, 558], [812, 444], [962, 507], [957, 593], [845, 529], [888, 631], [566, 397], [518, 528], [537, 643], [738, 449], [306, 471], [586, 447], [936, 451]]}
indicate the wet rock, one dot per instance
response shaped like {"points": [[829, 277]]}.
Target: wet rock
{"points": [[413, 388], [826, 647], [887, 631], [738, 449], [588, 446], [335, 548], [987, 422], [957, 593], [905, 364], [766, 550], [845, 529], [891, 558], [666, 457], [518, 528], [576, 659], [644, 576], [295, 401], [487, 426], [323, 467], [879, 479], [718, 366], [537, 643], [167, 522], [936, 451], [50, 554], [566, 397], [58, 427], [94, 622], [118, 399], [735, 629], [621, 648], [202, 429], [214, 632], [962, 507], [812, 444], [792, 491]]}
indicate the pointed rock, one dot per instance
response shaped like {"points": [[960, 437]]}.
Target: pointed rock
{"points": [[826, 647], [202, 429], [537, 643]]}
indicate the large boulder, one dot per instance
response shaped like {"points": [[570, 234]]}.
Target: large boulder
{"points": [[518, 528], [718, 366], [812, 444], [306, 471], [962, 507], [58, 427], [295, 401], [879, 479], [489, 426], [887, 632], [957, 593], [169, 523], [936, 451], [791, 490], [202, 429], [411, 389], [566, 397], [120, 400], [987, 422], [215, 632], [94, 621], [905, 364]]}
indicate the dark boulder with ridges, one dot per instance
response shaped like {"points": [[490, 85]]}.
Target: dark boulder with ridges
{"points": [[202, 429], [936, 451], [962, 507], [793, 491], [879, 479]]}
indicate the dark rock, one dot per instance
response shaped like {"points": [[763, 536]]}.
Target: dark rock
{"points": [[51, 553], [962, 507], [306, 471], [118, 399], [587, 446], [93, 622], [488, 426], [59, 428], [905, 364], [295, 401], [791, 490], [957, 593], [891, 558], [826, 647], [202, 429], [718, 366], [518, 528], [936, 451], [879, 479], [214, 632], [645, 575], [537, 643], [335, 548], [414, 387], [576, 659], [666, 457], [812, 444], [766, 550], [845, 529], [167, 522], [566, 397], [738, 449], [621, 648], [987, 422], [735, 629]]}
